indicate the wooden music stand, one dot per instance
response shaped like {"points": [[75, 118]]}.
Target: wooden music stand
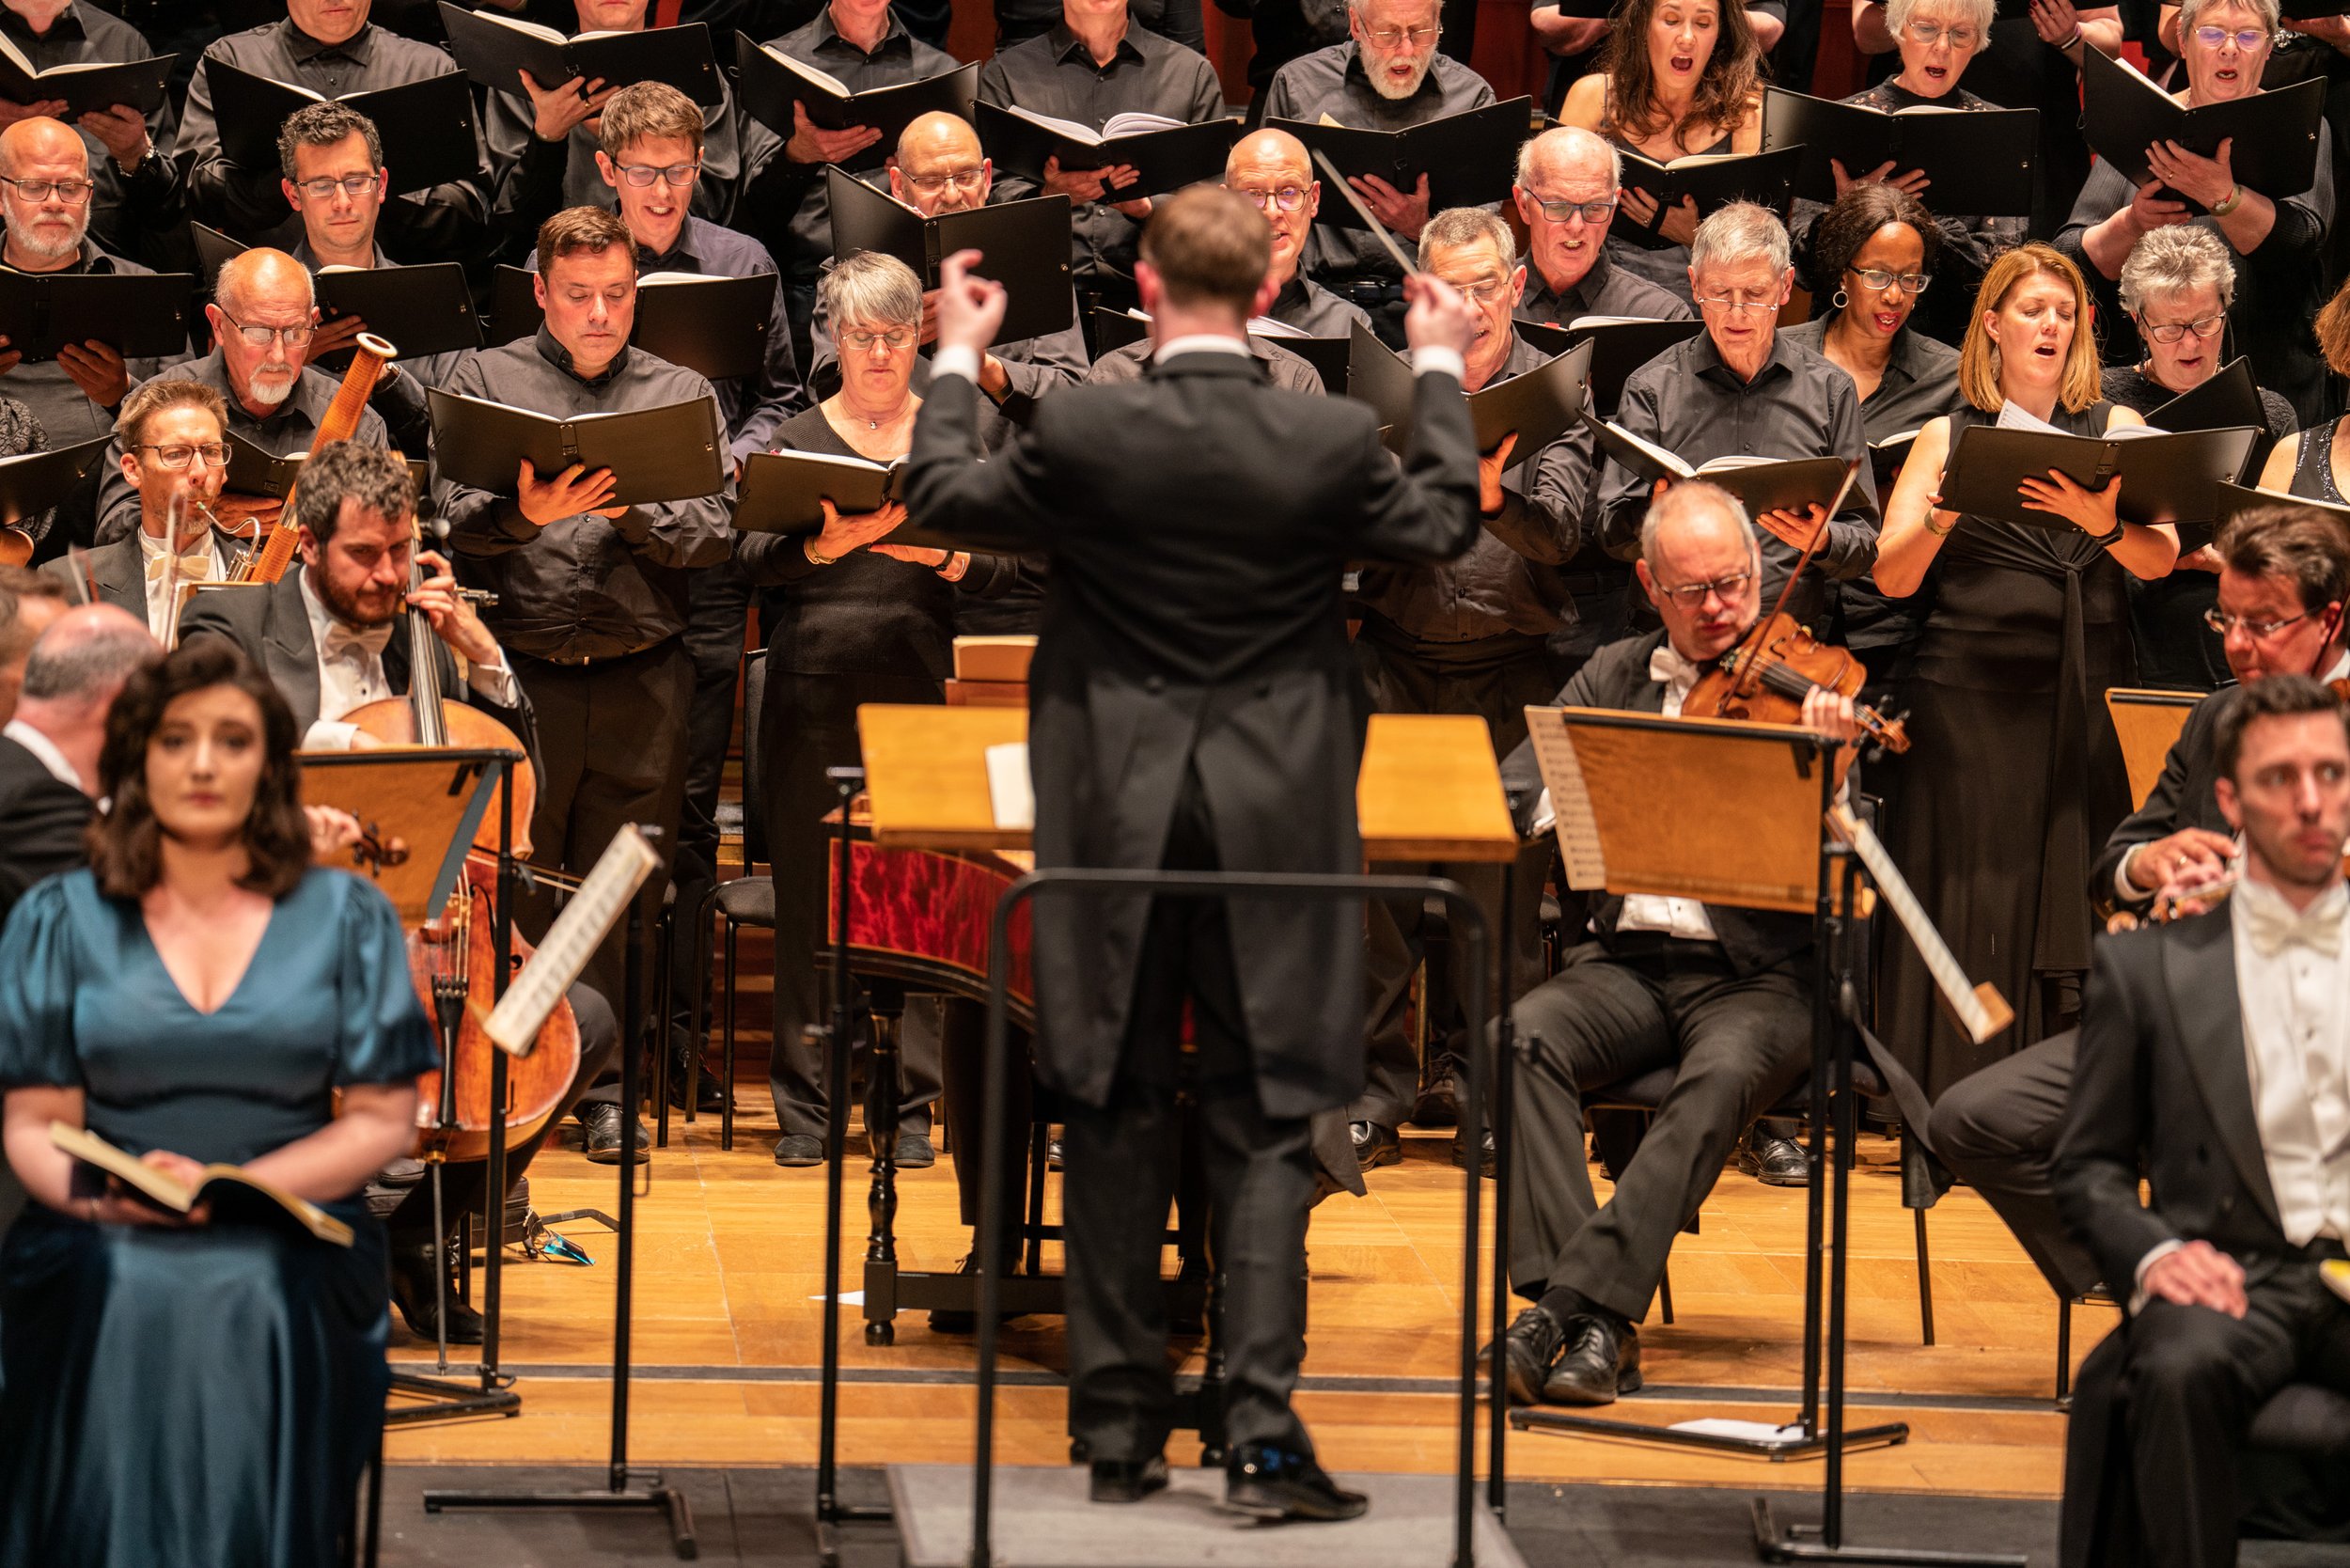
{"points": [[990, 672], [429, 800], [1430, 790], [2149, 722], [926, 774]]}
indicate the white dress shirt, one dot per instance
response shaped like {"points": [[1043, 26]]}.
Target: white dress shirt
{"points": [[350, 672], [44, 751], [204, 553]]}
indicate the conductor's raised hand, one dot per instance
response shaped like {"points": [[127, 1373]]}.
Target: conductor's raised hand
{"points": [[1436, 314], [970, 307], [1490, 467], [574, 490], [843, 533]]}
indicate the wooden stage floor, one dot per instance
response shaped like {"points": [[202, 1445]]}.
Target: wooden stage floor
{"points": [[727, 1319]]}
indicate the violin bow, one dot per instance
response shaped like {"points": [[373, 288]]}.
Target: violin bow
{"points": [[1750, 671]]}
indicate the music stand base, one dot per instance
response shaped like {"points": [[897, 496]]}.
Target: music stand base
{"points": [[644, 1493], [1802, 1543], [1799, 1444], [446, 1401]]}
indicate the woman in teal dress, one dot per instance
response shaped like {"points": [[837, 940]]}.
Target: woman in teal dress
{"points": [[197, 1392]]}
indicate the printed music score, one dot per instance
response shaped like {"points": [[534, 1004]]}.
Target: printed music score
{"points": [[1570, 806], [513, 1024]]}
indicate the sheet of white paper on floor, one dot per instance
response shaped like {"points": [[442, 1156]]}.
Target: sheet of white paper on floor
{"points": [[1717, 1426]]}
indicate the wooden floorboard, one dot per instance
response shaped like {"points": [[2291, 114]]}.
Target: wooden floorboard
{"points": [[727, 1318]]}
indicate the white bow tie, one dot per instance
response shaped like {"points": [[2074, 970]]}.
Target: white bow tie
{"points": [[2274, 925], [195, 564], [343, 641], [1667, 667]]}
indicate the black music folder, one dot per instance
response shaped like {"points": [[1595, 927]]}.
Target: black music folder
{"points": [[2164, 477], [1023, 245], [1115, 329], [671, 453], [1885, 458], [1540, 406], [1619, 345], [1981, 162], [138, 315], [254, 470], [1467, 157], [1762, 484], [33, 482], [492, 48], [427, 126], [1164, 154], [419, 310], [712, 325], [782, 491], [2275, 133], [2228, 401], [1714, 179], [769, 82], [87, 85], [212, 251], [2233, 498]]}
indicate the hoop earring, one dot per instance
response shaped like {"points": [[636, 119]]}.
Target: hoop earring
{"points": [[1838, 300]]}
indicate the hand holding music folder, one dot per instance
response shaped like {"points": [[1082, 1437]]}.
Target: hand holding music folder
{"points": [[1467, 157], [424, 309], [1619, 345], [493, 50], [2273, 134], [138, 315], [221, 1184], [783, 492], [715, 325], [1023, 245], [1979, 162], [770, 81], [1761, 484], [85, 87], [1538, 407], [2164, 477], [32, 482], [1164, 154], [671, 453], [1714, 180], [427, 126]]}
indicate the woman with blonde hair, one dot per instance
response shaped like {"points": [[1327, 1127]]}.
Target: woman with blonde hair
{"points": [[2315, 464], [2014, 776]]}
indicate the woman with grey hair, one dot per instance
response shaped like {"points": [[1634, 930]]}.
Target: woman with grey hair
{"points": [[2176, 288], [2274, 238], [851, 619], [1938, 39]]}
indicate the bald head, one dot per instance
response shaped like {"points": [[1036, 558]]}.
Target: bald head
{"points": [[940, 166], [1695, 535], [76, 671], [38, 138], [938, 135], [1269, 154], [1262, 165], [267, 292], [46, 234], [259, 277]]}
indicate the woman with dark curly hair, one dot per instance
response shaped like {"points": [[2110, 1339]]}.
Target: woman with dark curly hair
{"points": [[1682, 77], [201, 1387]]}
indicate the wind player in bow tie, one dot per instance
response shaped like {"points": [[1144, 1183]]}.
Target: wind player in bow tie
{"points": [[2214, 1061]]}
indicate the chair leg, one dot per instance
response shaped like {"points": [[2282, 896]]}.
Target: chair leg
{"points": [[1925, 1281], [1665, 1294], [2064, 1350], [726, 1117], [1039, 1140], [697, 1017]]}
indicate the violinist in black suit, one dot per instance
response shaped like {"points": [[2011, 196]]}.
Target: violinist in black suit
{"points": [[1193, 706], [2214, 1061], [1721, 996], [2284, 575]]}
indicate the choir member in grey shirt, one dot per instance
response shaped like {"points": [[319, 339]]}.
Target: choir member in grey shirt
{"points": [[1566, 191], [1272, 170], [1091, 65], [1740, 388], [332, 50], [139, 191]]}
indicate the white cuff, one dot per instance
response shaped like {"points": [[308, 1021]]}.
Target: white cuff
{"points": [[1435, 357], [2121, 883], [497, 682], [2138, 1277], [329, 735], [956, 359]]}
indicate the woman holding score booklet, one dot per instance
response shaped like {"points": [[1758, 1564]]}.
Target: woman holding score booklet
{"points": [[201, 1388], [2028, 626]]}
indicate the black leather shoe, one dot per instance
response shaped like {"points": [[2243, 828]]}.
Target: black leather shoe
{"points": [[1374, 1144], [412, 1292], [1529, 1349], [914, 1152], [1274, 1484], [1128, 1481], [710, 1096], [1772, 1160], [1460, 1155], [600, 1126], [1435, 1108], [799, 1149], [1602, 1360]]}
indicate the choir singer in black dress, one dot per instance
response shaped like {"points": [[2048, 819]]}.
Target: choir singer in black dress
{"points": [[1193, 707]]}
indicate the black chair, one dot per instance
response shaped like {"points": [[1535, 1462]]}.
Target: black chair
{"points": [[748, 900]]}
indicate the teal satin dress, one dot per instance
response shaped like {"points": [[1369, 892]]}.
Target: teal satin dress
{"points": [[199, 1398]]}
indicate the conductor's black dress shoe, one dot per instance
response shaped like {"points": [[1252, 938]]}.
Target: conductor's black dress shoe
{"points": [[1600, 1362], [1274, 1484], [1128, 1481]]}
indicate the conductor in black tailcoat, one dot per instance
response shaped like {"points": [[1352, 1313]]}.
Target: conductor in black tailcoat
{"points": [[1193, 706]]}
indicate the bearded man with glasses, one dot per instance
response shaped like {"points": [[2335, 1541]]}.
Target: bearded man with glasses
{"points": [[264, 318]]}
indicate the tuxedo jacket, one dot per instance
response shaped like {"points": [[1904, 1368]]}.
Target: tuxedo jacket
{"points": [[272, 627], [1199, 521], [118, 570], [2183, 797], [42, 820], [1617, 677]]}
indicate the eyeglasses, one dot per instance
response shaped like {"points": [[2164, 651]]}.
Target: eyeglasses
{"points": [[896, 337], [352, 185], [2170, 332], [1564, 211], [2222, 623], [1397, 37], [1482, 294], [642, 174], [263, 336], [2246, 40], [965, 181], [1730, 306], [214, 453], [1289, 199], [1882, 281], [71, 191], [1931, 33], [1690, 595]]}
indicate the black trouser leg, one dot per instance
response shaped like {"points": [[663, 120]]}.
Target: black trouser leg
{"points": [[1996, 1129], [718, 613], [962, 1042]]}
